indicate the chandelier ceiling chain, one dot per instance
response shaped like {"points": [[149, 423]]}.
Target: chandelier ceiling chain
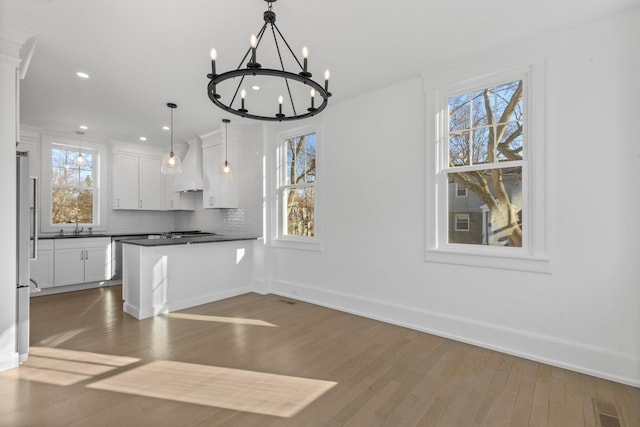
{"points": [[250, 67]]}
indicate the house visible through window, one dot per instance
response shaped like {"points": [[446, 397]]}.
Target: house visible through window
{"points": [[297, 178], [485, 157], [72, 186]]}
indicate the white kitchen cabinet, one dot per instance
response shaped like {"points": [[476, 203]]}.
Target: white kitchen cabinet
{"points": [[41, 268], [82, 260], [137, 182], [178, 200], [219, 190]]}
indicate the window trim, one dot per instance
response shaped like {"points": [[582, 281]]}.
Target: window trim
{"points": [[279, 239], [99, 197], [464, 78]]}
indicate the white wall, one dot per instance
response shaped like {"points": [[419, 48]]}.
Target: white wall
{"points": [[584, 315]]}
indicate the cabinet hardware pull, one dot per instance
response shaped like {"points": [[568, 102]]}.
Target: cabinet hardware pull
{"points": [[118, 202], [140, 204], [82, 254], [86, 254]]}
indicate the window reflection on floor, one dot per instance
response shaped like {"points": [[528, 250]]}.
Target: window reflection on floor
{"points": [[66, 367]]}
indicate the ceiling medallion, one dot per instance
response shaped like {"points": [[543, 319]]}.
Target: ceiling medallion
{"points": [[299, 96]]}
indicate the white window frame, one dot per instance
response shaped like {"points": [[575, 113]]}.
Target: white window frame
{"points": [[280, 239], [464, 78], [99, 194], [467, 218]]}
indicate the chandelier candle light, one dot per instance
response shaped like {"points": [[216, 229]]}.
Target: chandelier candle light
{"points": [[171, 163], [223, 90]]}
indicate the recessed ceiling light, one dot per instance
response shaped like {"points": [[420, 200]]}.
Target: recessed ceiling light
{"points": [[255, 87], [82, 75], [142, 138], [83, 127], [165, 128]]}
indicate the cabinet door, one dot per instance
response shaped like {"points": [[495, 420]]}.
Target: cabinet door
{"points": [[41, 269], [125, 181], [151, 184], [69, 266], [212, 185], [97, 265]]}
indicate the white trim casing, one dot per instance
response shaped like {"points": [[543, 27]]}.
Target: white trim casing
{"points": [[100, 179], [533, 255], [279, 240]]}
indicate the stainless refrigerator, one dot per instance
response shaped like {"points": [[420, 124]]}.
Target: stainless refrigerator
{"points": [[26, 248]]}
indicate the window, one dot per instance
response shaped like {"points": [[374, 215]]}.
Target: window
{"points": [[486, 199], [461, 191], [462, 222], [296, 189], [485, 140], [71, 192], [72, 186]]}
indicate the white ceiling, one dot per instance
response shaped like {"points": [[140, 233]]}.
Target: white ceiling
{"points": [[142, 54]]}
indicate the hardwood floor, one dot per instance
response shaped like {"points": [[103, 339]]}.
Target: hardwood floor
{"points": [[263, 361]]}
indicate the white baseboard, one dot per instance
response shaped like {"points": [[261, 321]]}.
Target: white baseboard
{"points": [[261, 287], [584, 358]]}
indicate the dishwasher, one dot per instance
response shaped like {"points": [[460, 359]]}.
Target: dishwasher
{"points": [[116, 261]]}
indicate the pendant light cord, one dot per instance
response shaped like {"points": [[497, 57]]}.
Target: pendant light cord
{"points": [[171, 128]]}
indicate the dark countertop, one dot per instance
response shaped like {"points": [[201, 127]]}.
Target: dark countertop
{"points": [[85, 235], [186, 240]]}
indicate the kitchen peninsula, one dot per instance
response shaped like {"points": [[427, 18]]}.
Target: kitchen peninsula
{"points": [[163, 275]]}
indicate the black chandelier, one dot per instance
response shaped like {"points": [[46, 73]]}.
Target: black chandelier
{"points": [[232, 97]]}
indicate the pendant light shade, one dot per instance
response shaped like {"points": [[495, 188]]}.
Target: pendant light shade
{"points": [[226, 167], [171, 163], [80, 160]]}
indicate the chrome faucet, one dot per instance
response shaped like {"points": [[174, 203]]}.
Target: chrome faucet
{"points": [[77, 230]]}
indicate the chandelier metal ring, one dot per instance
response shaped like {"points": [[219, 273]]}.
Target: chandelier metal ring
{"points": [[219, 78]]}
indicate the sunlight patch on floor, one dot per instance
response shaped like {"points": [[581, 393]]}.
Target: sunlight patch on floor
{"points": [[234, 320], [236, 389], [62, 337], [65, 367]]}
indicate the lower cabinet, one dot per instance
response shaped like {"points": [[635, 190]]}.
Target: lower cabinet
{"points": [[41, 268], [82, 260]]}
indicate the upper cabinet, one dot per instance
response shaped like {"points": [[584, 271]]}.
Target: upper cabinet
{"points": [[137, 182], [220, 190]]}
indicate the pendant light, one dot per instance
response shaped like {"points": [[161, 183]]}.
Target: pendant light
{"points": [[80, 160], [226, 168], [171, 163]]}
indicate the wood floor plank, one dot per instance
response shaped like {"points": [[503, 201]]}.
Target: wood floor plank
{"points": [[384, 375]]}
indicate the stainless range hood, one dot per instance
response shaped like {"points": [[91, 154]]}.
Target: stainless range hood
{"points": [[191, 177]]}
